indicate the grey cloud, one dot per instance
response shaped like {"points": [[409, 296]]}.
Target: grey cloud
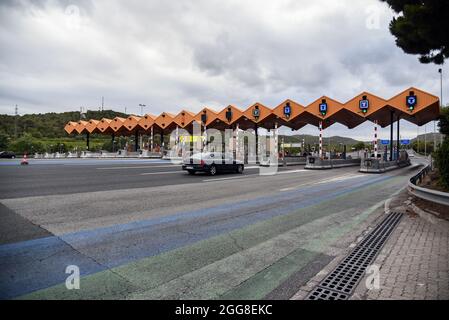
{"points": [[187, 54]]}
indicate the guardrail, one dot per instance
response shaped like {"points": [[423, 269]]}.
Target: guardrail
{"points": [[426, 193]]}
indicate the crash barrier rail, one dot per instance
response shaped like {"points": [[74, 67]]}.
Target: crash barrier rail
{"points": [[372, 165], [314, 162], [426, 193], [101, 154]]}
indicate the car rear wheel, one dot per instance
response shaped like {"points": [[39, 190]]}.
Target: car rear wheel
{"points": [[240, 169], [213, 170], [191, 172]]}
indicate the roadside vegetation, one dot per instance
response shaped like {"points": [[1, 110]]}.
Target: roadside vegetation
{"points": [[442, 153]]}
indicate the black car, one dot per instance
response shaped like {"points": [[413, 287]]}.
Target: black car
{"points": [[7, 155], [212, 163]]}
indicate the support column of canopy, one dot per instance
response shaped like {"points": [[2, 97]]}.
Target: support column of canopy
{"points": [[113, 141], [204, 144], [257, 143], [398, 142], [236, 141], [162, 142], [375, 139], [151, 140], [321, 139], [176, 142], [136, 141], [391, 135], [87, 141], [276, 152]]}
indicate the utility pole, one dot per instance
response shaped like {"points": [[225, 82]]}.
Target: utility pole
{"points": [[425, 141], [16, 116], [102, 104]]}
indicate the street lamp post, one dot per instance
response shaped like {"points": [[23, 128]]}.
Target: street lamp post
{"points": [[141, 108], [440, 70]]}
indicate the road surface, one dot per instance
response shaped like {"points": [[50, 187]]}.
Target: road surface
{"points": [[147, 230]]}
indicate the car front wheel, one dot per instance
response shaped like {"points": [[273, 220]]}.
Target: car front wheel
{"points": [[213, 170], [239, 169], [191, 172]]}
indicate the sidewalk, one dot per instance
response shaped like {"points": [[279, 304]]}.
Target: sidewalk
{"points": [[413, 264]]}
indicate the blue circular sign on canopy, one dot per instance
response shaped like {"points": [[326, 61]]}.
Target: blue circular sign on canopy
{"points": [[411, 101], [287, 110], [364, 105], [323, 108]]}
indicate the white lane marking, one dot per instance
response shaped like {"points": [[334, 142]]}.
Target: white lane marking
{"points": [[252, 175], [292, 171], [338, 178], [163, 172], [138, 167], [342, 178], [229, 178]]}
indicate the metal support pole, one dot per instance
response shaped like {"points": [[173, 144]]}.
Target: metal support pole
{"points": [[237, 141], [425, 140], [205, 139], [321, 139], [87, 141], [398, 142], [162, 142], [136, 141], [113, 141], [151, 140], [257, 143], [276, 152], [375, 139], [417, 139], [177, 141], [391, 135]]}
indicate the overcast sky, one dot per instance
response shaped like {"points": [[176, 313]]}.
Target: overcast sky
{"points": [[61, 55]]}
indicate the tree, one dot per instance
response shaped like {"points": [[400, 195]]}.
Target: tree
{"points": [[443, 124], [4, 141], [359, 146], [421, 28]]}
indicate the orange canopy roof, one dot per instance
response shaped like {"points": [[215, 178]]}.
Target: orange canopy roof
{"points": [[294, 116]]}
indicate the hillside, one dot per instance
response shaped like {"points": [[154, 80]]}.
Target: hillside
{"points": [[429, 137], [48, 125], [309, 139]]}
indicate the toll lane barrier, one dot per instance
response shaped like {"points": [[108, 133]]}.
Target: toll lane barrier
{"points": [[372, 165], [314, 162]]}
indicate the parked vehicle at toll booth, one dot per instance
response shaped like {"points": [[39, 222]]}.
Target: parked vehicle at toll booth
{"points": [[7, 154], [212, 163]]}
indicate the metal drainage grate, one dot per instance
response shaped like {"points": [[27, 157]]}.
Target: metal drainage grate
{"points": [[340, 283], [325, 294]]}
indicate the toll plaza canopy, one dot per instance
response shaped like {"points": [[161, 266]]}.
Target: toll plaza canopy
{"points": [[413, 105]]}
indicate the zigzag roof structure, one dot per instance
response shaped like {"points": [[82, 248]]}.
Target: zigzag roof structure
{"points": [[413, 105]]}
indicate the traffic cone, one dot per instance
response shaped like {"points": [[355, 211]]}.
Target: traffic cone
{"points": [[24, 161]]}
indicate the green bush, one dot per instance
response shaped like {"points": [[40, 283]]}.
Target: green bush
{"points": [[442, 163], [26, 144]]}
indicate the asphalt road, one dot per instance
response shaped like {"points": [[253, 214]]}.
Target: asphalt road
{"points": [[47, 177], [146, 230]]}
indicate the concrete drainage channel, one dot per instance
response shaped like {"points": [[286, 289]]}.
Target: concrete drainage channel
{"points": [[341, 282]]}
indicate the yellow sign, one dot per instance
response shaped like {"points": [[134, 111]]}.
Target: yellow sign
{"points": [[190, 138]]}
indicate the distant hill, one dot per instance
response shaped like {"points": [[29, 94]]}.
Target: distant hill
{"points": [[48, 125], [309, 139], [429, 137]]}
